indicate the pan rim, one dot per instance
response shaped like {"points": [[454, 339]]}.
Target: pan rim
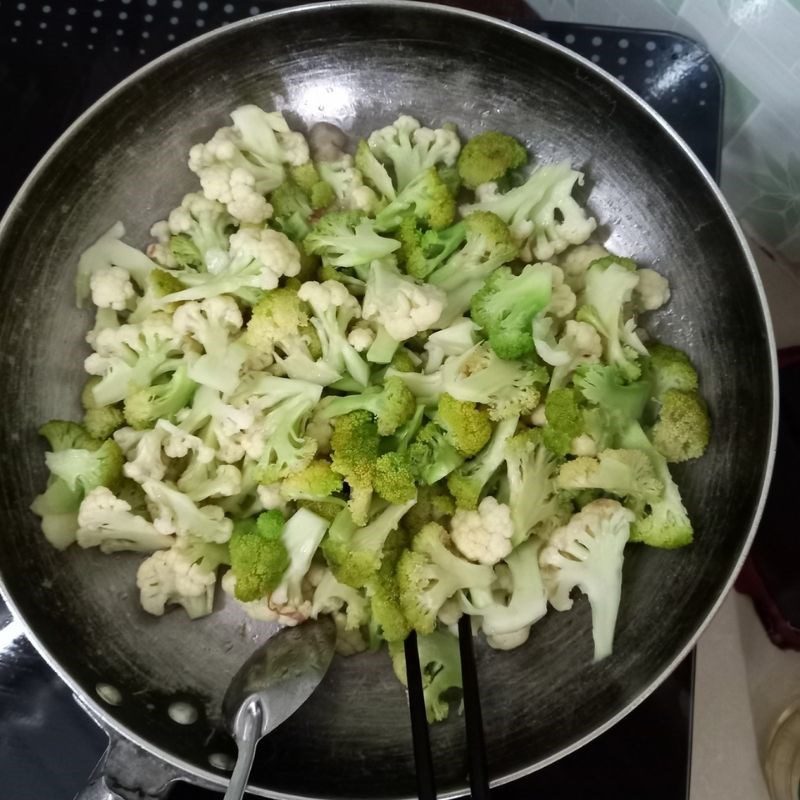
{"points": [[103, 715]]}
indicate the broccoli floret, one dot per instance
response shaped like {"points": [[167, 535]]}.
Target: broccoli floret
{"points": [[665, 522], [286, 446], [565, 420], [279, 326], [259, 557], [65, 435], [670, 368], [185, 252], [392, 406], [430, 573], [388, 622], [84, 469], [145, 407], [683, 428], [307, 177], [468, 427], [402, 361], [159, 284], [280, 314], [618, 400], [348, 604], [394, 478], [440, 662], [348, 239], [468, 482], [355, 449], [531, 470], [509, 388], [488, 245], [431, 454], [426, 197], [101, 422], [200, 229], [606, 297], [133, 355], [434, 504], [315, 481], [334, 308], [291, 210], [488, 157], [542, 210], [506, 305], [354, 553], [424, 251], [624, 473]]}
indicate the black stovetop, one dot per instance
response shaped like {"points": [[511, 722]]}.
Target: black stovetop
{"points": [[54, 61]]}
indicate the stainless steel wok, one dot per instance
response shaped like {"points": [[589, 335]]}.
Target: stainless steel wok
{"points": [[359, 65]]}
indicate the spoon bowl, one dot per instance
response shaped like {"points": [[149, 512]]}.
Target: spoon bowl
{"points": [[271, 685]]}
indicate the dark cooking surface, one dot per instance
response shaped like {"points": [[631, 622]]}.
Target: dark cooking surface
{"points": [[47, 745]]}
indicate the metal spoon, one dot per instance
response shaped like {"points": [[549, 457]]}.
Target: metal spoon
{"points": [[271, 685]]}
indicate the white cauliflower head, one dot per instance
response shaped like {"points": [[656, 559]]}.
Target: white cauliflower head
{"points": [[651, 292], [404, 307], [106, 521], [576, 260], [183, 575], [483, 535], [112, 288], [275, 251]]}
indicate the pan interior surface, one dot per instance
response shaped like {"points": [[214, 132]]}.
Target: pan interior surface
{"points": [[359, 67]]}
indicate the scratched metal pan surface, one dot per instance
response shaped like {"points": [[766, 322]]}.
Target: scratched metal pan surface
{"points": [[360, 65]]}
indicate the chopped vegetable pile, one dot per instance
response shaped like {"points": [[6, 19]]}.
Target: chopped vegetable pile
{"points": [[395, 387]]}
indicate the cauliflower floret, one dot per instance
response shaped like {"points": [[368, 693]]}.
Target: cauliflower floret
{"points": [[576, 260], [361, 337], [270, 497], [486, 191], [483, 535], [411, 148], [241, 164], [538, 417], [348, 185], [320, 429], [583, 445], [112, 288], [106, 522], [175, 512], [651, 292], [587, 553], [142, 450], [159, 250], [403, 307], [174, 577], [276, 251], [178, 443], [326, 295], [562, 300]]}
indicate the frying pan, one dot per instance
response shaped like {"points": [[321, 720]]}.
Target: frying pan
{"points": [[360, 64]]}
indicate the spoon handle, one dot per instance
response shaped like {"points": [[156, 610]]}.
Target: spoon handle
{"points": [[251, 731]]}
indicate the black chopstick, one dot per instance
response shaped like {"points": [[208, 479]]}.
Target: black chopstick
{"points": [[426, 786], [476, 748]]}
